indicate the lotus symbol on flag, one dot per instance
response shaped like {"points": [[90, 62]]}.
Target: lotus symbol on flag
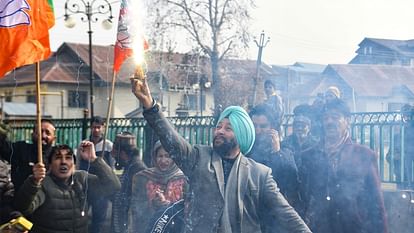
{"points": [[12, 13], [124, 39]]}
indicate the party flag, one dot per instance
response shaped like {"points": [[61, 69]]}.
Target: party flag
{"points": [[24, 32]]}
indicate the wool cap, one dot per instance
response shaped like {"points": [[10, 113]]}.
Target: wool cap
{"points": [[242, 126], [334, 90], [125, 139]]}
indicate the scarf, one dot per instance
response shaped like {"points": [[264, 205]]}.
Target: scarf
{"points": [[230, 221]]}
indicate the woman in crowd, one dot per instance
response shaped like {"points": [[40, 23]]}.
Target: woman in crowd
{"points": [[155, 190]]}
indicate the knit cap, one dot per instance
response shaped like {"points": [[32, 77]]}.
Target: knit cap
{"points": [[242, 126], [334, 90]]}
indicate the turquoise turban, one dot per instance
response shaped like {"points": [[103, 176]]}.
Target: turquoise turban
{"points": [[242, 126]]}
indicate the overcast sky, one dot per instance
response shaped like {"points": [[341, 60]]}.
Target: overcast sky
{"points": [[314, 31]]}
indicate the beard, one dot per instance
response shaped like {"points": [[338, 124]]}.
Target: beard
{"points": [[224, 148], [47, 147]]}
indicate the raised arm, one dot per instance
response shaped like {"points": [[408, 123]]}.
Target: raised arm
{"points": [[103, 181], [179, 149]]}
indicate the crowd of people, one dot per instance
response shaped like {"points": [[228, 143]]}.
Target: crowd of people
{"points": [[249, 180]]}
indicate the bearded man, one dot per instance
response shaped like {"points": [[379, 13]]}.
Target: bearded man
{"points": [[22, 155], [232, 193]]}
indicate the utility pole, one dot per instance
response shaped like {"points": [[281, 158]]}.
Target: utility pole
{"points": [[260, 44], [89, 11]]}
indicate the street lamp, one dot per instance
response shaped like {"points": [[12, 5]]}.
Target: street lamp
{"points": [[202, 84], [260, 44], [89, 10]]}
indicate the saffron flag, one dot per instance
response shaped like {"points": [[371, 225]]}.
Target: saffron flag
{"points": [[24, 32], [127, 33]]}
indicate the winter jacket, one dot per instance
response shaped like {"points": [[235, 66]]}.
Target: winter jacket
{"points": [[56, 207], [22, 156], [283, 168], [344, 193], [257, 194], [122, 199]]}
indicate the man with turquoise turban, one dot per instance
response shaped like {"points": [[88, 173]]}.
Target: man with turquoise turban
{"points": [[231, 193]]}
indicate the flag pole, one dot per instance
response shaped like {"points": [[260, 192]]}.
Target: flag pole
{"points": [[111, 96], [38, 116]]}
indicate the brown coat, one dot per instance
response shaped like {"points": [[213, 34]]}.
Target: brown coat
{"points": [[345, 199]]}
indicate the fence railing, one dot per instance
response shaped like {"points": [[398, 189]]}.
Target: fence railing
{"points": [[373, 129]]}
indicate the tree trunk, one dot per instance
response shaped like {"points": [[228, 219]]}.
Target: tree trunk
{"points": [[215, 76]]}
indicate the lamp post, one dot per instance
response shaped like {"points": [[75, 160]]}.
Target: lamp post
{"points": [[204, 84], [89, 11], [260, 44]]}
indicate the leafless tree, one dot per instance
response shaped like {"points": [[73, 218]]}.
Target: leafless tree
{"points": [[220, 28]]}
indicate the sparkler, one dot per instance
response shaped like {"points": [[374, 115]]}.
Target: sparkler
{"points": [[139, 48], [139, 73]]}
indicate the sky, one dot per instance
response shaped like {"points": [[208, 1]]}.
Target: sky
{"points": [[313, 31]]}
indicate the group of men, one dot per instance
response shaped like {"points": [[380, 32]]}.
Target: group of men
{"points": [[336, 187], [248, 181], [51, 192]]}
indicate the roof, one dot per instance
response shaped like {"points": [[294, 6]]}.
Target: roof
{"points": [[21, 109], [70, 64], [373, 80], [300, 67], [308, 67], [301, 77], [403, 47]]}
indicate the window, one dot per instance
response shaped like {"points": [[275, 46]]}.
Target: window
{"points": [[368, 50], [394, 107], [77, 99], [192, 101], [8, 96], [30, 97]]}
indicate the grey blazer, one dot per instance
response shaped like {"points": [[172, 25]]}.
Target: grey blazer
{"points": [[258, 197]]}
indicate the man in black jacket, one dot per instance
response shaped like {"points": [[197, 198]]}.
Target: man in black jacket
{"points": [[127, 158], [58, 201], [267, 150], [22, 155]]}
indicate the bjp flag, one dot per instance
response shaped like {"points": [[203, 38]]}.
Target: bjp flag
{"points": [[24, 32], [127, 33]]}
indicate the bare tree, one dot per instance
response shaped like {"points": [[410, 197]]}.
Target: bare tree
{"points": [[219, 27]]}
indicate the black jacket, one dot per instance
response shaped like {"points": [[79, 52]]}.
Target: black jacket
{"points": [[22, 156], [56, 207]]}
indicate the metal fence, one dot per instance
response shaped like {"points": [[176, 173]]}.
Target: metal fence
{"points": [[375, 130]]}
